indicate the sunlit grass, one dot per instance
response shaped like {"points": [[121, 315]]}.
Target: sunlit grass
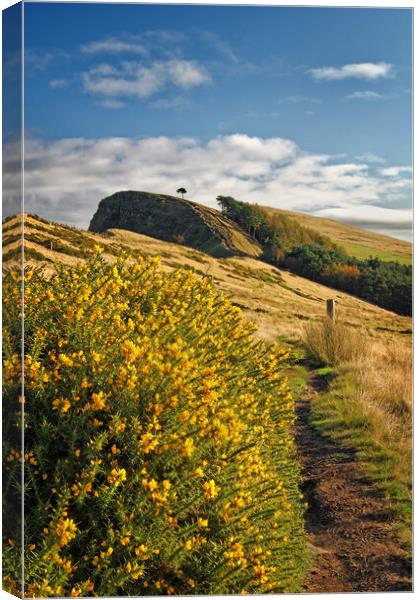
{"points": [[368, 406]]}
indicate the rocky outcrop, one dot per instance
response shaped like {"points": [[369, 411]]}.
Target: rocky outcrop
{"points": [[173, 219]]}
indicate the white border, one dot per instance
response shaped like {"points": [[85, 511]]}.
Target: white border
{"points": [[408, 4]]}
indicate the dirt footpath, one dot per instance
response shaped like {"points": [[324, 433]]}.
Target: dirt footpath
{"points": [[349, 530]]}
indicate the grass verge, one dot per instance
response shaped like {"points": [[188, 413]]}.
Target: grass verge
{"points": [[367, 406]]}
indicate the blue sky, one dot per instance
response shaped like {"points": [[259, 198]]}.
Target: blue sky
{"points": [[307, 109]]}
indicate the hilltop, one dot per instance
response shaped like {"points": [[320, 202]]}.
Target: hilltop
{"points": [[173, 219], [278, 301]]}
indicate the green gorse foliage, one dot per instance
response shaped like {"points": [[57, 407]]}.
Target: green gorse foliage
{"points": [[158, 457]]}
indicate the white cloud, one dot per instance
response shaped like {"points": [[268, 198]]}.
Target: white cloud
{"points": [[302, 99], [133, 79], [58, 83], [370, 71], [186, 73], [369, 157], [164, 36], [35, 59], [365, 95], [177, 103], [113, 46], [391, 221], [112, 104], [219, 44], [395, 171], [66, 179], [162, 42]]}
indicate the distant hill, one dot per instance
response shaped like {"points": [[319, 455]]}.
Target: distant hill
{"points": [[287, 244], [171, 219], [356, 241], [278, 301]]}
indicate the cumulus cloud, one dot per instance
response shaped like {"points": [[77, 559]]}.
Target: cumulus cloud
{"points": [[144, 65], [133, 79], [370, 71], [114, 46], [395, 171], [66, 179]]}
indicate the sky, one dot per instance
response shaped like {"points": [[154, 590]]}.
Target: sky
{"points": [[299, 108]]}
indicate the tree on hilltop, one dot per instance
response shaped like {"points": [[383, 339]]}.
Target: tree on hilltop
{"points": [[181, 191]]}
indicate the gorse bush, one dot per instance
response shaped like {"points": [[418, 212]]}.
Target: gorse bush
{"points": [[158, 457]]}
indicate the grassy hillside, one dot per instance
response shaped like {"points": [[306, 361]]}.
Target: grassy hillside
{"points": [[287, 244], [278, 301], [356, 241], [109, 328]]}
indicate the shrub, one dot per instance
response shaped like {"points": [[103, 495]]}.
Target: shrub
{"points": [[332, 342], [158, 457], [178, 238]]}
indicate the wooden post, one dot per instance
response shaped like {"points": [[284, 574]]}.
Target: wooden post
{"points": [[330, 309], [52, 245]]}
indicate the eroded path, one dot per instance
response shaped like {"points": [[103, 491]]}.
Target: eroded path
{"points": [[355, 547]]}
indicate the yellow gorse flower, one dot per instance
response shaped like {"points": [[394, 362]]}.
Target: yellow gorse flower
{"points": [[98, 401], [65, 530], [211, 490], [117, 476], [163, 428]]}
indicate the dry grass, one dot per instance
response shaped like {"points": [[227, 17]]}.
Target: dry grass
{"points": [[385, 387], [369, 405], [382, 371], [332, 342], [279, 302], [278, 308]]}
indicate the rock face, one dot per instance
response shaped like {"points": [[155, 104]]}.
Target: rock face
{"points": [[173, 219]]}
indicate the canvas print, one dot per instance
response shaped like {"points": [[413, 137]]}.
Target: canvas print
{"points": [[207, 299]]}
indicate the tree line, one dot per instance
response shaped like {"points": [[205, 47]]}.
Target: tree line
{"points": [[288, 244]]}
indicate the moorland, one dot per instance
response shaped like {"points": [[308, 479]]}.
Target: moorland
{"points": [[171, 357]]}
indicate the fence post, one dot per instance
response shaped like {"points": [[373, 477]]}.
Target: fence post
{"points": [[330, 309]]}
